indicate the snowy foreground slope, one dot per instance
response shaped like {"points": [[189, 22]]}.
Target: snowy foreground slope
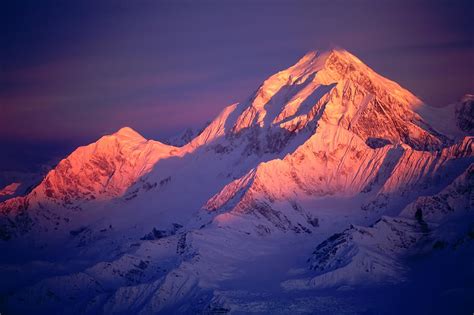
{"points": [[330, 190]]}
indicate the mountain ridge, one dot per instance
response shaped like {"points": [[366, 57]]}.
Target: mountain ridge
{"points": [[322, 145]]}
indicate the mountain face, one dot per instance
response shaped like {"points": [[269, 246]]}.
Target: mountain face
{"points": [[19, 183], [454, 120], [329, 176], [465, 114], [185, 136]]}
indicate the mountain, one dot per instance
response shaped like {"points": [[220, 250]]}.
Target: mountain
{"points": [[455, 120], [19, 183], [364, 254], [10, 189], [325, 152], [185, 136]]}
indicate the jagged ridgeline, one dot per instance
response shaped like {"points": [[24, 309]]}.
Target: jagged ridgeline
{"points": [[328, 176]]}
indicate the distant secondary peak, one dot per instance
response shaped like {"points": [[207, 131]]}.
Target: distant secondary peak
{"points": [[467, 98], [129, 133]]}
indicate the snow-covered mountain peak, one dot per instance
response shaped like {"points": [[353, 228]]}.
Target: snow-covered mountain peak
{"points": [[338, 88], [127, 132], [316, 60], [342, 65], [100, 171], [325, 147]]}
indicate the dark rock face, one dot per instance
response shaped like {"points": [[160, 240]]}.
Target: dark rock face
{"points": [[325, 258], [156, 234], [465, 114], [20, 223], [376, 143], [186, 136]]}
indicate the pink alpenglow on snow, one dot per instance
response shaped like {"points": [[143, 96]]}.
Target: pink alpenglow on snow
{"points": [[328, 189], [9, 189]]}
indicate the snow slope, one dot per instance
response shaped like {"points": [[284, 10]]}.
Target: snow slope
{"points": [[455, 120], [325, 147], [373, 254]]}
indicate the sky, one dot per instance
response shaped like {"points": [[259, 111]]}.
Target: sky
{"points": [[72, 71]]}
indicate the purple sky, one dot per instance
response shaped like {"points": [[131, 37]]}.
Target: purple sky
{"points": [[72, 71]]}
